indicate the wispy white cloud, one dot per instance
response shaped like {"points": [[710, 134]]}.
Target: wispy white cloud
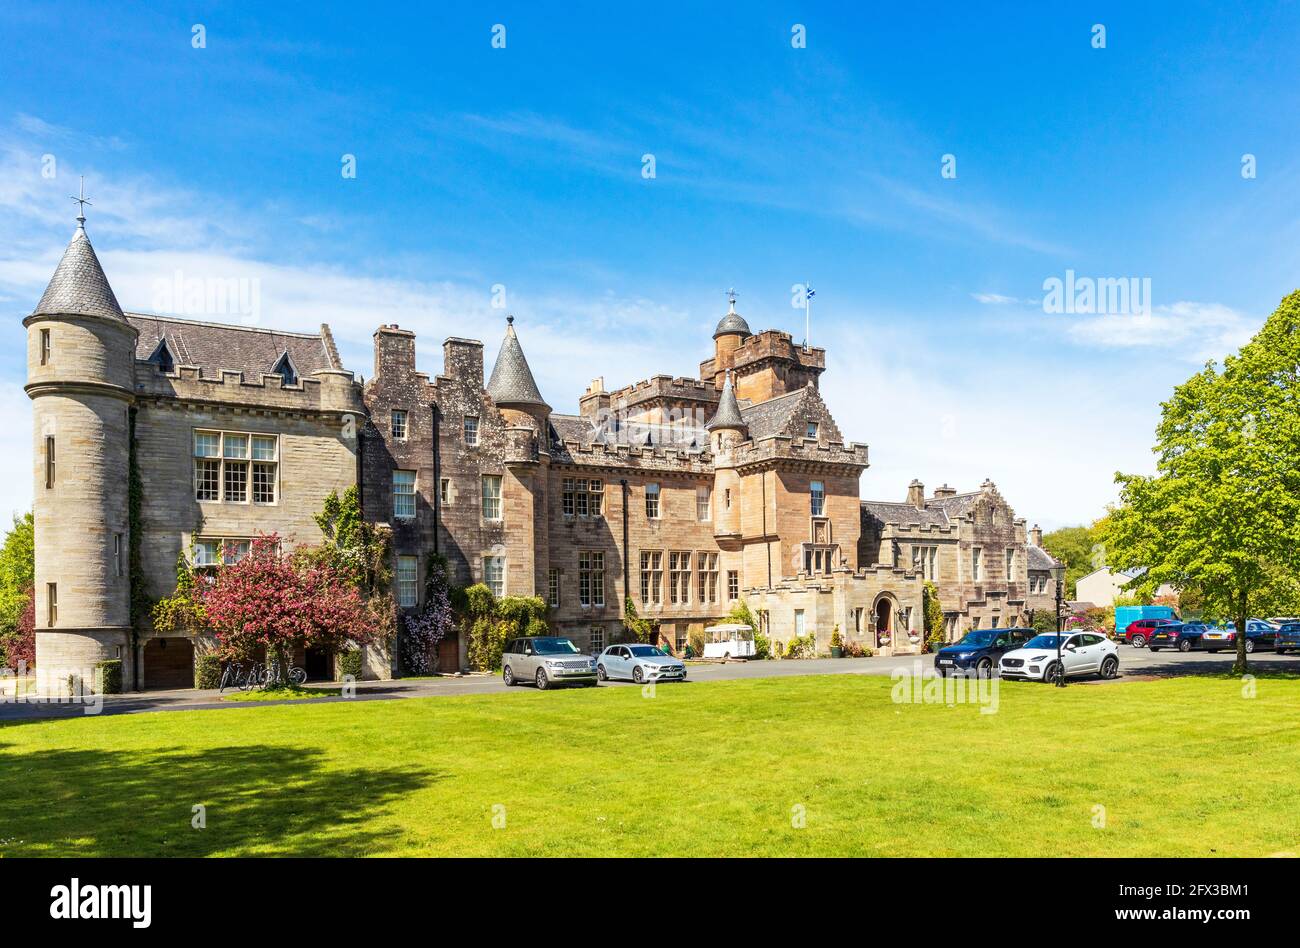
{"points": [[1193, 331]]}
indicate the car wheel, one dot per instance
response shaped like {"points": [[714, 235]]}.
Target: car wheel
{"points": [[1213, 651], [508, 676], [1139, 641], [542, 681], [1154, 649], [1109, 666], [1280, 651], [984, 668], [1185, 645], [600, 673], [637, 674], [1052, 673], [1250, 646]]}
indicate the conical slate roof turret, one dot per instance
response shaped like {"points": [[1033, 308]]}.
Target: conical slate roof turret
{"points": [[728, 413], [79, 287], [512, 382]]}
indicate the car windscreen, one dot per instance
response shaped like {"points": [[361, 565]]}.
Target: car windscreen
{"points": [[647, 651], [1042, 641], [978, 638], [555, 647]]}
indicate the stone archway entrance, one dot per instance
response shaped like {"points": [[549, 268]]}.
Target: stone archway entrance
{"points": [[884, 620]]}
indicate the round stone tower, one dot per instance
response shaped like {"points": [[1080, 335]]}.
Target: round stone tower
{"points": [[731, 331], [80, 364], [727, 429]]}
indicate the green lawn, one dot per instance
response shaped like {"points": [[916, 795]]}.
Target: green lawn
{"points": [[1183, 767]]}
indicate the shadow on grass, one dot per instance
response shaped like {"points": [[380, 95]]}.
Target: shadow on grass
{"points": [[1259, 667], [257, 800]]}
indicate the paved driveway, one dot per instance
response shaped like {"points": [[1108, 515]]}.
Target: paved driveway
{"points": [[1133, 663]]}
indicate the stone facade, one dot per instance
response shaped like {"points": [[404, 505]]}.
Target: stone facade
{"points": [[684, 495]]}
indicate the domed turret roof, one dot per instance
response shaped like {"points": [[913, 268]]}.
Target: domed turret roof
{"points": [[79, 287], [733, 322], [512, 381]]}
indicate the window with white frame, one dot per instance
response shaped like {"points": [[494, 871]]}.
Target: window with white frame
{"points": [[596, 639], [591, 578], [404, 495], [811, 432], [582, 497], [817, 497], [707, 570], [471, 429], [444, 491], [652, 577], [798, 623], [208, 553], [652, 501], [397, 424], [228, 463], [408, 574], [553, 588], [703, 504], [733, 585], [494, 574], [976, 564], [679, 577], [925, 560], [491, 496], [1011, 564]]}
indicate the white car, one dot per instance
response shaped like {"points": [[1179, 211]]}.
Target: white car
{"points": [[1082, 653], [638, 663]]}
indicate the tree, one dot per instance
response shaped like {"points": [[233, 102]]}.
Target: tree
{"points": [[20, 645], [183, 610], [1222, 513], [271, 600], [17, 572], [1077, 547], [932, 612]]}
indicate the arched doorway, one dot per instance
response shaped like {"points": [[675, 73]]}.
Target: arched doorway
{"points": [[883, 616]]}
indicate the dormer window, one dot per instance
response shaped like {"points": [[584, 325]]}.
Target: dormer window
{"points": [[162, 357], [284, 368], [812, 431]]}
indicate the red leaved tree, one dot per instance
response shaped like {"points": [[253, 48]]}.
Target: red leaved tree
{"points": [[270, 600], [22, 645]]}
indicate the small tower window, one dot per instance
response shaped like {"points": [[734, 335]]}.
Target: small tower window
{"points": [[284, 368], [812, 431], [46, 351], [49, 461], [817, 494], [51, 604]]}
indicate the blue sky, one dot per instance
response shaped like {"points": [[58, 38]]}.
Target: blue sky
{"points": [[522, 167]]}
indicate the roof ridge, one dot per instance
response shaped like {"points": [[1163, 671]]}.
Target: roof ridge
{"points": [[132, 314]]}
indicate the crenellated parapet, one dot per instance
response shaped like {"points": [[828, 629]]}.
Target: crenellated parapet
{"points": [[324, 391]]}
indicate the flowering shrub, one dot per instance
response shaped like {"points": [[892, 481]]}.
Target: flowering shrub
{"points": [[423, 632], [20, 645], [800, 647]]}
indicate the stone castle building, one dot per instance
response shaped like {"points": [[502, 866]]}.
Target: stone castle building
{"points": [[685, 494]]}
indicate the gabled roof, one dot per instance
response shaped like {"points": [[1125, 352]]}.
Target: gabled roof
{"points": [[217, 347], [780, 416], [512, 381], [1038, 558], [79, 287], [889, 512]]}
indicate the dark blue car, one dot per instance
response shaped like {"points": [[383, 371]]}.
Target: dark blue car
{"points": [[1288, 638], [1183, 636], [979, 651]]}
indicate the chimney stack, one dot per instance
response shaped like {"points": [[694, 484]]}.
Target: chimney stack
{"points": [[1036, 536], [916, 494]]}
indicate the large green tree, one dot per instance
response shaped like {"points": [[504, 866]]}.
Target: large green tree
{"points": [[1222, 513], [17, 572], [1077, 548]]}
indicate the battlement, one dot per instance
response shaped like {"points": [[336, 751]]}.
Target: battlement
{"points": [[333, 390]]}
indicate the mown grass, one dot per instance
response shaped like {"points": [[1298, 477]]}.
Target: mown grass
{"points": [[1185, 767]]}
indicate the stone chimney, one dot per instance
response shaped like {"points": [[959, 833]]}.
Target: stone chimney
{"points": [[1036, 536], [595, 401], [394, 351], [945, 491], [916, 494]]}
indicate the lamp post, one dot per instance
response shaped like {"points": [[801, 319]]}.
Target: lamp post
{"points": [[1058, 574]]}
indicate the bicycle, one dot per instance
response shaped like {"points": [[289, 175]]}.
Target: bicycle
{"points": [[233, 676], [270, 675]]}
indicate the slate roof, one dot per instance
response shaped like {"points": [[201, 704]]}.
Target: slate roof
{"points": [[772, 417], [1040, 558], [887, 512], [728, 413], [79, 286], [215, 347], [957, 505], [512, 381], [732, 322]]}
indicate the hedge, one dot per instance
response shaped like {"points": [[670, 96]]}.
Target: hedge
{"points": [[349, 662], [207, 672], [108, 677]]}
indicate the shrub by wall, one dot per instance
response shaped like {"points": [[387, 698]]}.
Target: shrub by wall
{"points": [[207, 671], [108, 677], [349, 663]]}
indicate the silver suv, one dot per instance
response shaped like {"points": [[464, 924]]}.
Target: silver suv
{"points": [[546, 661]]}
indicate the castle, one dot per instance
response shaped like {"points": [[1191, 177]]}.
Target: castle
{"points": [[685, 494]]}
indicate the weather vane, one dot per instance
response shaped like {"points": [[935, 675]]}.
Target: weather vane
{"points": [[80, 198], [731, 300]]}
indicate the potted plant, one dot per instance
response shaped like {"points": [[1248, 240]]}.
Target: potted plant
{"points": [[837, 646]]}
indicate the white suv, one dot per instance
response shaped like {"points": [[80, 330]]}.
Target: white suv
{"points": [[1082, 653]]}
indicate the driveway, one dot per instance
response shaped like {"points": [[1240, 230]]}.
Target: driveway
{"points": [[1133, 663]]}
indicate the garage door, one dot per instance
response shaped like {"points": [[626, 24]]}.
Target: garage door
{"points": [[168, 663]]}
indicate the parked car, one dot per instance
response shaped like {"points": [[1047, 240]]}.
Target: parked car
{"points": [[1127, 615], [1183, 636], [979, 650], [1082, 653], [1139, 633], [1259, 635], [546, 660], [1288, 638], [639, 663]]}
